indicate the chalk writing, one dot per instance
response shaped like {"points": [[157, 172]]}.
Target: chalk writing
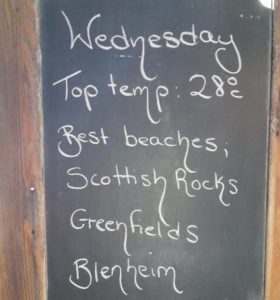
{"points": [[187, 178], [145, 163]]}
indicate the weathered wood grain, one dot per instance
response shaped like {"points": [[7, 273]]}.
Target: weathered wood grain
{"points": [[273, 229], [22, 267]]}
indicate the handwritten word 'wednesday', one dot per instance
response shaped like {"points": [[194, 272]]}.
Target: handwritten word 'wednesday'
{"points": [[169, 39]]}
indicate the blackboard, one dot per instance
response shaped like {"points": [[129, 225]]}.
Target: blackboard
{"points": [[155, 139]]}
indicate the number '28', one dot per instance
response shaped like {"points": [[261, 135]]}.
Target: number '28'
{"points": [[219, 84]]}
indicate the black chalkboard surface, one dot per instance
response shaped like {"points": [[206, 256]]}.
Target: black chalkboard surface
{"points": [[156, 128]]}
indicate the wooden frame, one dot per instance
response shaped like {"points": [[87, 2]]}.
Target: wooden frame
{"points": [[273, 226], [22, 222], [22, 238]]}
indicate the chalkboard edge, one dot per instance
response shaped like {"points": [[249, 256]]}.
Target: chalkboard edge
{"points": [[272, 285]]}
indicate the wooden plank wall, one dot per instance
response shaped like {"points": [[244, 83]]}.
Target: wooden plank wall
{"points": [[22, 236], [273, 228], [22, 266]]}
